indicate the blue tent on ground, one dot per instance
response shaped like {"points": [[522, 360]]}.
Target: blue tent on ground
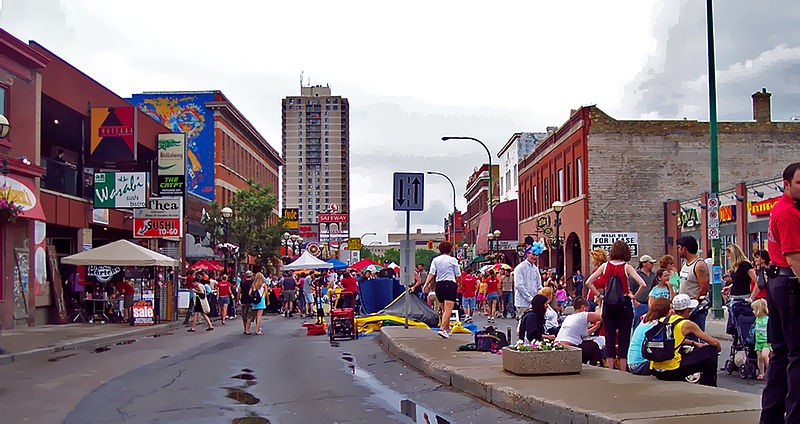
{"points": [[337, 264]]}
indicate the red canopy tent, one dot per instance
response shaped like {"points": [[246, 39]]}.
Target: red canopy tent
{"points": [[364, 263], [205, 265]]}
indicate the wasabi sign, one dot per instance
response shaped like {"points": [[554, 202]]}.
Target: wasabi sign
{"points": [[115, 190]]}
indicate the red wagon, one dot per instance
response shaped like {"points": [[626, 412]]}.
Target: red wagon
{"points": [[343, 317]]}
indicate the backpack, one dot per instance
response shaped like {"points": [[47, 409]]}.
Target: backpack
{"points": [[614, 291], [659, 341], [256, 296], [489, 340]]}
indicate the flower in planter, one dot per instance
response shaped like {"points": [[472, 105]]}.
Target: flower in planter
{"points": [[8, 205], [536, 346]]}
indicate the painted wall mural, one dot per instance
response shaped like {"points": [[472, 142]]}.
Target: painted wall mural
{"points": [[186, 113]]}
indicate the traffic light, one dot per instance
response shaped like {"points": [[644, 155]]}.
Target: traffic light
{"points": [[430, 244]]}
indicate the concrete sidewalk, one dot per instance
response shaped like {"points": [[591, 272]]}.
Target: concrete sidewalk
{"points": [[596, 395], [41, 341]]}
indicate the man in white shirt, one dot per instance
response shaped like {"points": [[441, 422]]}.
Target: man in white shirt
{"points": [[527, 280]]}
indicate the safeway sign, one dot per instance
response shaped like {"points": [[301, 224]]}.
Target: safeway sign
{"points": [[162, 218]]}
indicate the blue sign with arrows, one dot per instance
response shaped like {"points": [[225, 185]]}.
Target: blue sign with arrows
{"points": [[408, 191]]}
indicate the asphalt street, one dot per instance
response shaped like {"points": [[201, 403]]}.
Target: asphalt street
{"points": [[223, 376]]}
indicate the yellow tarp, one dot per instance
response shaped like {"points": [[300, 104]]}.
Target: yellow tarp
{"points": [[373, 323]]}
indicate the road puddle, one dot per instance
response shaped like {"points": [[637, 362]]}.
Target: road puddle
{"points": [[58, 358], [394, 399], [125, 342], [245, 376], [250, 420], [102, 349], [247, 370], [241, 396]]}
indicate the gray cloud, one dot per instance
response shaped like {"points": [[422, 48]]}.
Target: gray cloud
{"points": [[757, 45]]}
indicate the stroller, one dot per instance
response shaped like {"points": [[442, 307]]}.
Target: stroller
{"points": [[743, 355]]}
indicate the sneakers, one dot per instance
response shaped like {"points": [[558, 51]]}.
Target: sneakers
{"points": [[468, 319], [443, 334], [490, 320]]}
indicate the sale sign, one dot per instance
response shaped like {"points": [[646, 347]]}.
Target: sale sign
{"points": [[143, 313], [163, 217]]}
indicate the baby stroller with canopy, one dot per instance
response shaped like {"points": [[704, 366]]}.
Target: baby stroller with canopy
{"points": [[743, 356]]}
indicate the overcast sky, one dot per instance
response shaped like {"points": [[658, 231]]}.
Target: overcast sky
{"points": [[417, 70]]}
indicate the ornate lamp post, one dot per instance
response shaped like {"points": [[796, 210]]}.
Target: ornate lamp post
{"points": [[293, 239], [226, 213], [5, 128], [491, 182], [285, 236], [557, 208], [496, 234]]}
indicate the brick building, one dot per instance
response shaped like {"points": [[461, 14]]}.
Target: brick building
{"points": [[613, 175]]}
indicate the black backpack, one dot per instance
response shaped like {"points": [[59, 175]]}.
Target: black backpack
{"points": [[490, 340], [614, 291], [659, 341], [256, 296]]}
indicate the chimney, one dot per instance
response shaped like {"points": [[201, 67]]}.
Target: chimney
{"points": [[761, 106]]}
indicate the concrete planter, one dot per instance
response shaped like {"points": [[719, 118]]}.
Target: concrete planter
{"points": [[567, 361]]}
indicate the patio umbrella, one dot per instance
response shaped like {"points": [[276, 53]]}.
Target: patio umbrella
{"points": [[503, 266], [485, 268], [372, 267]]}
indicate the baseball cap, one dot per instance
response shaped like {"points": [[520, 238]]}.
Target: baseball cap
{"points": [[248, 273], [647, 258], [682, 301]]}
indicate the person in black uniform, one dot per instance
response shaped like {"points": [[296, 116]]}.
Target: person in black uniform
{"points": [[780, 401]]}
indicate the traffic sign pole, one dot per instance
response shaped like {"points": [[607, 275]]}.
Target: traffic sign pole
{"points": [[408, 195]]}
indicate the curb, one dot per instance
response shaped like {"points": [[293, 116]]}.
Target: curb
{"points": [[86, 342], [537, 408]]}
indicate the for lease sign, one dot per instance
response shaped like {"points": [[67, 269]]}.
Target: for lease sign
{"points": [[606, 240]]}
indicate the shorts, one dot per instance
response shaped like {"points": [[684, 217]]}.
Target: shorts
{"points": [[760, 346], [492, 296], [642, 368], [289, 296], [446, 290], [247, 312], [309, 297], [469, 303], [481, 297], [561, 303], [128, 301], [223, 300]]}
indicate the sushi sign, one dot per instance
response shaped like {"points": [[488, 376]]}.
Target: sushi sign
{"points": [[115, 190]]}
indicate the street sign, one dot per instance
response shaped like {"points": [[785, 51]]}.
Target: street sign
{"points": [[408, 191], [713, 215], [354, 243], [713, 233]]}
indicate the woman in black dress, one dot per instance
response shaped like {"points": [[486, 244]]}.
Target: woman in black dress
{"points": [[531, 325]]}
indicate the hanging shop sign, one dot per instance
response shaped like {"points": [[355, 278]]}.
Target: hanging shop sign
{"points": [[309, 232], [290, 218], [112, 135], [688, 218], [727, 213], [104, 274], [115, 190], [763, 207], [171, 164], [606, 240], [162, 218], [143, 313]]}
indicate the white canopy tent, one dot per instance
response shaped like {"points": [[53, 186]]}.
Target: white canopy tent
{"points": [[120, 253], [307, 261]]}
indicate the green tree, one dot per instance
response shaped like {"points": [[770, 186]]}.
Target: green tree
{"points": [[249, 226], [424, 256], [392, 255]]}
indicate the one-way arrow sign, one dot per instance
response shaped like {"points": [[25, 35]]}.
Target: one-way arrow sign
{"points": [[408, 191]]}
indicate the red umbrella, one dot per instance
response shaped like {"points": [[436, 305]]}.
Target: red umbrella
{"points": [[205, 265], [364, 263]]}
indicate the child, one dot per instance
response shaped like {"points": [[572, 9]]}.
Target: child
{"points": [[663, 287], [561, 298], [763, 349], [482, 287]]}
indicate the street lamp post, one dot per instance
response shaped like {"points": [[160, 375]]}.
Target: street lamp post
{"points": [[496, 234], [453, 220], [557, 208], [716, 285], [5, 128], [226, 213], [490, 236], [491, 180]]}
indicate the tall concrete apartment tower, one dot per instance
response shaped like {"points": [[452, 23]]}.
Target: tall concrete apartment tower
{"points": [[316, 149]]}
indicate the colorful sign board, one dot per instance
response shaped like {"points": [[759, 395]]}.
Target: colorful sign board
{"points": [[354, 243], [332, 217], [143, 313], [606, 240], [763, 207], [104, 274], [115, 190], [186, 113], [291, 218], [309, 232], [163, 217], [112, 135], [171, 164], [727, 213]]}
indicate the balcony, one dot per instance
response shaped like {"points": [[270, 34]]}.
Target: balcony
{"points": [[66, 179]]}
